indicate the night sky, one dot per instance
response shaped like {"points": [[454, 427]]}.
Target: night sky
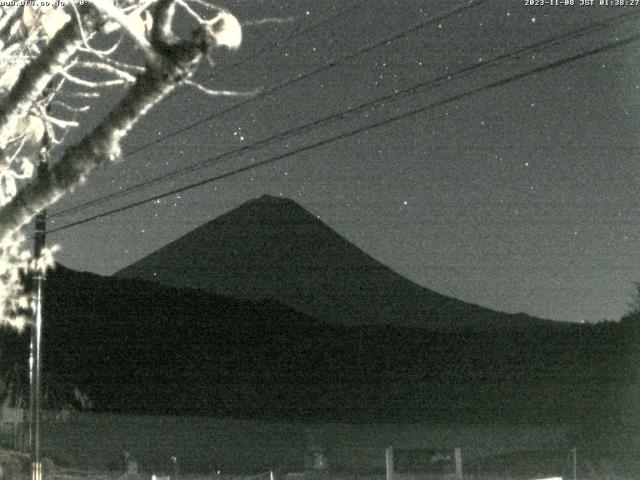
{"points": [[522, 197]]}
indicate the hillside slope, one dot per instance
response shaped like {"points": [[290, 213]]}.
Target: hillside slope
{"points": [[273, 248], [140, 347]]}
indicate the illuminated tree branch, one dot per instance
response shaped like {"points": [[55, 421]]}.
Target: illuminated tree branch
{"points": [[37, 50]]}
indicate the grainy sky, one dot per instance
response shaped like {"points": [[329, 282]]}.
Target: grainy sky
{"points": [[520, 197]]}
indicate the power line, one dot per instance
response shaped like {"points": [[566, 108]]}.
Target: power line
{"points": [[369, 47], [410, 113], [303, 76], [395, 96]]}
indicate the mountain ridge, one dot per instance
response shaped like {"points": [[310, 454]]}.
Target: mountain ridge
{"points": [[140, 347]]}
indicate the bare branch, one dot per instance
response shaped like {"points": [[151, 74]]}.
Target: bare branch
{"points": [[103, 53], [191, 11], [80, 94], [115, 13], [208, 5], [66, 106], [19, 148], [85, 37], [36, 75], [105, 68], [161, 33], [267, 21], [221, 93], [138, 9], [58, 122], [89, 84], [105, 59]]}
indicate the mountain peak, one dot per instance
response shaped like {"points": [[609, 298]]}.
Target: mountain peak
{"points": [[266, 198], [272, 247], [266, 216], [277, 201], [267, 205]]}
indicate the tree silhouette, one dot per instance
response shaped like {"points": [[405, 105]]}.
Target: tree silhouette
{"points": [[51, 73]]}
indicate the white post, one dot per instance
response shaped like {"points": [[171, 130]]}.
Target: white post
{"points": [[457, 453], [271, 476], [389, 459]]}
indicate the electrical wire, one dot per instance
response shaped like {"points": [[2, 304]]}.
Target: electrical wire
{"points": [[387, 121], [303, 76], [395, 96]]}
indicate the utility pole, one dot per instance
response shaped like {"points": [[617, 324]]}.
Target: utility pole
{"points": [[389, 462], [35, 361]]}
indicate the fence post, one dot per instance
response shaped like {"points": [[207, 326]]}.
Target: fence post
{"points": [[457, 453], [389, 461]]}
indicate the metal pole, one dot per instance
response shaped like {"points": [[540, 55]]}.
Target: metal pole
{"points": [[389, 462], [35, 362], [575, 462], [457, 454]]}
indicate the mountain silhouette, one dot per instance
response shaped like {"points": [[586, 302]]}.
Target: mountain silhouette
{"points": [[136, 346], [272, 247]]}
